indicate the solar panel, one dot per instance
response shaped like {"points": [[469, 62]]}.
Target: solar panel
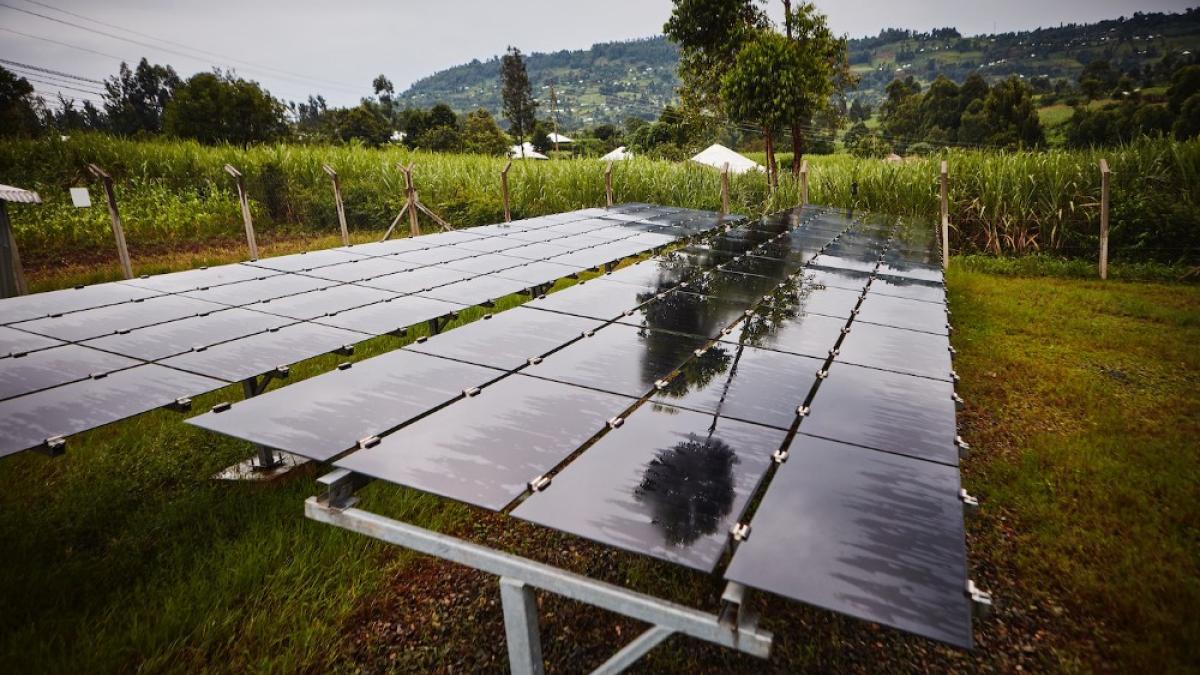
{"points": [[837, 302], [785, 329], [308, 260], [667, 483], [771, 268], [490, 244], [484, 450], [13, 342], [322, 302], [684, 312], [434, 256], [477, 291], [485, 264], [451, 237], [204, 277], [744, 288], [390, 315], [28, 421], [909, 288], [539, 272], [903, 351], [903, 414], [383, 248], [910, 271], [507, 340], [256, 354], [845, 262], [326, 415], [535, 236], [904, 313], [744, 383], [537, 251], [595, 300], [38, 305], [176, 337], [52, 367], [417, 280], [594, 257], [365, 268], [867, 534], [259, 290], [620, 359], [845, 279], [91, 323], [700, 255]]}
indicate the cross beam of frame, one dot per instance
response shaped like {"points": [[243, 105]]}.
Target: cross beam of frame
{"points": [[412, 204], [519, 576]]}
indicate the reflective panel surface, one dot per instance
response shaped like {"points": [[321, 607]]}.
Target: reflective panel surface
{"points": [[744, 383], [13, 341], [365, 268], [668, 483], [620, 359], [867, 534], [91, 323], [904, 313], [485, 449], [36, 305], [509, 339], [52, 367], [434, 256], [323, 302], [326, 415], [540, 272], [175, 337], [306, 261], [477, 291], [417, 280], [909, 288], [538, 251], [594, 299], [190, 280], [256, 354], [897, 349], [390, 315], [790, 329], [485, 264], [259, 290], [887, 411], [27, 421]]}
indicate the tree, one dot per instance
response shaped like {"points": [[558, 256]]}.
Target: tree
{"points": [[481, 135], [709, 34], [441, 138], [519, 106], [821, 67], [539, 138], [940, 107], [859, 111], [1098, 79], [767, 87], [136, 100], [1011, 116], [215, 108], [441, 115], [17, 114], [1184, 83], [1187, 125], [363, 124]]}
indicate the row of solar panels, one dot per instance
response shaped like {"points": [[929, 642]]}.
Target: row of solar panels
{"points": [[809, 335], [76, 359]]}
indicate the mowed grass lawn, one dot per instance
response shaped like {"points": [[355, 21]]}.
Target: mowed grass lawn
{"points": [[1082, 408]]}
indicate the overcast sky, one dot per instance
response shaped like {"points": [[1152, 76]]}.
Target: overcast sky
{"points": [[298, 47]]}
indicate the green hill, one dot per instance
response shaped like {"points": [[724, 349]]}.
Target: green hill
{"points": [[612, 81]]}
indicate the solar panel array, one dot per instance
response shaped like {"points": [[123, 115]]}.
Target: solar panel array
{"points": [[76, 359], [803, 358]]}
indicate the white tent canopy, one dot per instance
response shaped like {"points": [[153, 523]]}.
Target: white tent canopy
{"points": [[620, 153], [717, 155], [529, 153], [559, 138]]}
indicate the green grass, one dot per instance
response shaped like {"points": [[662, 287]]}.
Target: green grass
{"points": [[1082, 407]]}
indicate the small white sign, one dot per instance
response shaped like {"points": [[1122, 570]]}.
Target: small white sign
{"points": [[80, 198]]}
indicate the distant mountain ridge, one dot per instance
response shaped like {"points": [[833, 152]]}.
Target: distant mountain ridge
{"points": [[612, 81]]}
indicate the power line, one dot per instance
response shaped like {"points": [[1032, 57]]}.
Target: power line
{"points": [[139, 42], [58, 81], [62, 44], [49, 71], [195, 49], [62, 86]]}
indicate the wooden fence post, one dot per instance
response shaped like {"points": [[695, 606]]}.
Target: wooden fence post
{"points": [[504, 190], [725, 189], [115, 217], [12, 275], [337, 200], [608, 188], [1104, 211], [245, 201], [410, 188], [944, 180], [804, 183]]}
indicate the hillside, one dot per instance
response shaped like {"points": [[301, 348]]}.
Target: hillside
{"points": [[615, 80]]}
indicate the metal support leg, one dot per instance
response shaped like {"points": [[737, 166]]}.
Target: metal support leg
{"points": [[267, 463], [521, 627]]}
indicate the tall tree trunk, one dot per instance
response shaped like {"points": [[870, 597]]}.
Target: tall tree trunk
{"points": [[797, 147], [772, 170]]}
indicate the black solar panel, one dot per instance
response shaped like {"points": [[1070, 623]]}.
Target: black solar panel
{"points": [[91, 323], [52, 367], [864, 533], [259, 290], [785, 329], [326, 415], [595, 299], [904, 313], [744, 383], [844, 279], [909, 271], [417, 280], [909, 288], [14, 341], [477, 291], [485, 449], [485, 264], [390, 315], [27, 421], [309, 260], [684, 312], [836, 302], [256, 354], [508, 340], [620, 359], [322, 302], [40, 305], [744, 288], [176, 337], [540, 272], [537, 251], [668, 483], [886, 411], [365, 268], [434, 256], [897, 349], [861, 263], [205, 277]]}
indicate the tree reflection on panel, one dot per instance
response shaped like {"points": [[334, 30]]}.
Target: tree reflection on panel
{"points": [[689, 488]]}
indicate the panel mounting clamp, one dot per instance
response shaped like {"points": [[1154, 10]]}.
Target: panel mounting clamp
{"points": [[740, 532], [981, 602], [970, 503]]}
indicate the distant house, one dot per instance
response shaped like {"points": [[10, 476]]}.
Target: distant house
{"points": [[516, 152], [559, 138], [717, 156], [398, 136], [619, 154]]}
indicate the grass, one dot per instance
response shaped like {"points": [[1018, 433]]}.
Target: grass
{"points": [[1082, 407]]}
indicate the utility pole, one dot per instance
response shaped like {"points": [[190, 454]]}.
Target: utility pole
{"points": [[554, 115]]}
